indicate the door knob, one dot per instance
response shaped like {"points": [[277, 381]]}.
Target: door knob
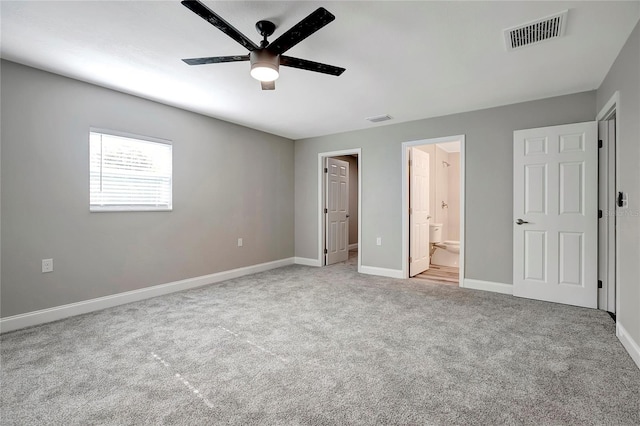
{"points": [[520, 222]]}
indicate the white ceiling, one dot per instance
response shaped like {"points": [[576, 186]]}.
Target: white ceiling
{"points": [[410, 60]]}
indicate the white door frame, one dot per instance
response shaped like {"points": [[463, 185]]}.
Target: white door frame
{"points": [[611, 108], [405, 199], [321, 201]]}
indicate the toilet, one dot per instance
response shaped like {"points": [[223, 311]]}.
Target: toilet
{"points": [[445, 253]]}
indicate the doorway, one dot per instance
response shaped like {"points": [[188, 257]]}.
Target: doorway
{"points": [[328, 222], [553, 209], [608, 297], [438, 214]]}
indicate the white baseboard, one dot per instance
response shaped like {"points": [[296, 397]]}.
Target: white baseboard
{"points": [[28, 319], [383, 272], [629, 344], [487, 286], [306, 261], [353, 246]]}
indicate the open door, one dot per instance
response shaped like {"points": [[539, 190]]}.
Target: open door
{"points": [[418, 211], [337, 211], [555, 230]]}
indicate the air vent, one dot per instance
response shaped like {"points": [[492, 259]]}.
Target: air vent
{"points": [[378, 118], [537, 31]]}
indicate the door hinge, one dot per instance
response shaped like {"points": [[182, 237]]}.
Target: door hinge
{"points": [[599, 283], [599, 143], [410, 259], [326, 170], [326, 211], [599, 214], [410, 210], [326, 251]]}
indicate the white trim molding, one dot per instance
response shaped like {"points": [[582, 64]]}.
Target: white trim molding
{"points": [[609, 107], [629, 344], [487, 286], [353, 246], [306, 261], [382, 272], [29, 319]]}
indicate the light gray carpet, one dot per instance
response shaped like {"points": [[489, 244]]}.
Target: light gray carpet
{"points": [[301, 345]]}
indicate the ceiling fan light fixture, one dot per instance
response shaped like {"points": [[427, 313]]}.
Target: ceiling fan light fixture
{"points": [[264, 65], [267, 57]]}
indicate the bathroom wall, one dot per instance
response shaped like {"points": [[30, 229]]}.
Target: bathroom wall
{"points": [[444, 185], [454, 196], [441, 185]]}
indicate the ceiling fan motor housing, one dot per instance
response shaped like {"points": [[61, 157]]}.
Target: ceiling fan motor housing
{"points": [[265, 28], [265, 65]]}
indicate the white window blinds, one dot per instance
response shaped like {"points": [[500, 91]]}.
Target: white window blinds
{"points": [[128, 174]]}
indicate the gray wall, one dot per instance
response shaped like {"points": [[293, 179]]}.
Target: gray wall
{"points": [[489, 187], [624, 76], [229, 182]]}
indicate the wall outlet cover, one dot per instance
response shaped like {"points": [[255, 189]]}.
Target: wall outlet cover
{"points": [[47, 265]]}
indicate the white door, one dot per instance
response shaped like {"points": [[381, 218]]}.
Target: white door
{"points": [[555, 207], [337, 243], [418, 211]]}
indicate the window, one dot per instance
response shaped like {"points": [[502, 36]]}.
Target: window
{"points": [[129, 173]]}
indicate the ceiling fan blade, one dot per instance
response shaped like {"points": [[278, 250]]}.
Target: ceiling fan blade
{"points": [[215, 60], [268, 85], [302, 30], [214, 19], [303, 64]]}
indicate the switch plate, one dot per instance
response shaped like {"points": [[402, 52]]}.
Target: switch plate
{"points": [[239, 242], [47, 265], [379, 241]]}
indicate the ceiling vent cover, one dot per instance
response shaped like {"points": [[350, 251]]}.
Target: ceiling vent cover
{"points": [[534, 32]]}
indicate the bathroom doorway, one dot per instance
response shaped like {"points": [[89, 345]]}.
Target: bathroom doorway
{"points": [[433, 199]]}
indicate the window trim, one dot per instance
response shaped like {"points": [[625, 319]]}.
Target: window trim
{"points": [[131, 207]]}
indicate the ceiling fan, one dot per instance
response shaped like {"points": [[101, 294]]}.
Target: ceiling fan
{"points": [[267, 58]]}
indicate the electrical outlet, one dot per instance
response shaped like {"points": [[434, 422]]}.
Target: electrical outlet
{"points": [[239, 242], [379, 241], [47, 265]]}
